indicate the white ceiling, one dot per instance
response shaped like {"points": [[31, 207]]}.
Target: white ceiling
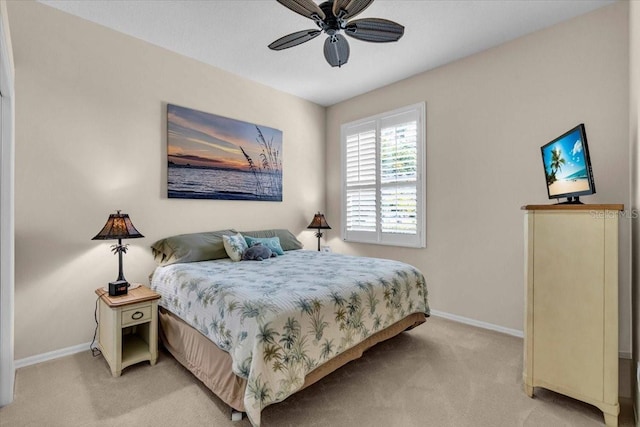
{"points": [[234, 34]]}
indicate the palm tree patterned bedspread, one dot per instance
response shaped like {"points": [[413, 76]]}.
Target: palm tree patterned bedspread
{"points": [[282, 317]]}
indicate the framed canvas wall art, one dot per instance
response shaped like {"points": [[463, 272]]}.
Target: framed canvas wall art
{"points": [[215, 157]]}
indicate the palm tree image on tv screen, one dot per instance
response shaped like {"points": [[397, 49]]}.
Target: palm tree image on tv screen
{"points": [[566, 164]]}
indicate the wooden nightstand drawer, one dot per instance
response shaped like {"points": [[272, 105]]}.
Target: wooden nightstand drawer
{"points": [[136, 315]]}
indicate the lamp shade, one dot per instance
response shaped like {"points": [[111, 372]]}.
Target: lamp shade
{"points": [[319, 222], [118, 226]]}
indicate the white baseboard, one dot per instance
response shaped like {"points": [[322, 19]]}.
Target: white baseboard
{"points": [[492, 327], [38, 358], [478, 323]]}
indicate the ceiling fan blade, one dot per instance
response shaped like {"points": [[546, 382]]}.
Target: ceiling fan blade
{"points": [[336, 50], [294, 39], [350, 7], [306, 8], [374, 30]]}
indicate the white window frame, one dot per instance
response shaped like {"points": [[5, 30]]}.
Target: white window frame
{"points": [[378, 237]]}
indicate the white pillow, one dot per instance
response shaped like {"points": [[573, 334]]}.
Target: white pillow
{"points": [[235, 246]]}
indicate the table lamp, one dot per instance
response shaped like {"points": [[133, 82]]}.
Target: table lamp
{"points": [[118, 227], [321, 224]]}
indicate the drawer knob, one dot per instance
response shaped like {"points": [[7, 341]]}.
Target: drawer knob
{"points": [[137, 315]]}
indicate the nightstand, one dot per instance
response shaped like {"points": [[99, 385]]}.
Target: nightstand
{"points": [[128, 327]]}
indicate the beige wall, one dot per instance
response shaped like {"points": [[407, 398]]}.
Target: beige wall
{"points": [[634, 124], [90, 136], [487, 116], [90, 139]]}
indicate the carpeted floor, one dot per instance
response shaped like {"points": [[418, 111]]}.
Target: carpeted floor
{"points": [[440, 374]]}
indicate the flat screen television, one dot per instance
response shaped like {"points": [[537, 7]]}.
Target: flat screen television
{"points": [[567, 166]]}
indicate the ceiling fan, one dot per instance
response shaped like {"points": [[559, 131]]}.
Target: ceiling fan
{"points": [[332, 18]]}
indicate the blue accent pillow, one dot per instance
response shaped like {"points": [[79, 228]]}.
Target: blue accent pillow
{"points": [[272, 243]]}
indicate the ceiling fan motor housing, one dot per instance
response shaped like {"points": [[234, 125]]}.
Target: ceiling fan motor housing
{"points": [[331, 24]]}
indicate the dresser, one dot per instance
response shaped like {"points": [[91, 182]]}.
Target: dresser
{"points": [[571, 303]]}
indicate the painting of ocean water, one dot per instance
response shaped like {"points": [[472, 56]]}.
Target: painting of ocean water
{"points": [[215, 157]]}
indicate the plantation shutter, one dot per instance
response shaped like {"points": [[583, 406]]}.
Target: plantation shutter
{"points": [[382, 167], [398, 175], [361, 178]]}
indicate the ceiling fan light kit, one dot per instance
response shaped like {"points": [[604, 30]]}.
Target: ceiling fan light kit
{"points": [[332, 18]]}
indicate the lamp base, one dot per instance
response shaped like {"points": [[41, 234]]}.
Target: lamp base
{"points": [[119, 287]]}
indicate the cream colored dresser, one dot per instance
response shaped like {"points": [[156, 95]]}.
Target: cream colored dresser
{"points": [[571, 316]]}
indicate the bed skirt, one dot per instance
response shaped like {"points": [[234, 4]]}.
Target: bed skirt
{"points": [[212, 366]]}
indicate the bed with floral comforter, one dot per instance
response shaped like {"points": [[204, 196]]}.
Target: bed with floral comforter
{"points": [[281, 318]]}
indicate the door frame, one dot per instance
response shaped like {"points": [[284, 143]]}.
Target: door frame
{"points": [[7, 163]]}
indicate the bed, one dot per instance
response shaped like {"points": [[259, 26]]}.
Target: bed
{"points": [[255, 332]]}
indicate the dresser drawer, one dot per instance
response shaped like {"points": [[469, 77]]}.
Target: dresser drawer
{"points": [[136, 315]]}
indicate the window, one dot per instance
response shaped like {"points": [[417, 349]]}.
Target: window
{"points": [[383, 164]]}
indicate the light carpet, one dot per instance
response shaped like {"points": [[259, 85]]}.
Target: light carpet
{"points": [[440, 374]]}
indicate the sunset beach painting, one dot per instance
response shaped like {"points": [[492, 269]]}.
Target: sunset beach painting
{"points": [[565, 165], [215, 157]]}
